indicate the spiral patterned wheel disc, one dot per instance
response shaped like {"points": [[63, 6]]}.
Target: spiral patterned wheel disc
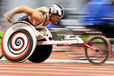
{"points": [[19, 43]]}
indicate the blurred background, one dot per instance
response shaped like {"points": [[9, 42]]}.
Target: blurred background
{"points": [[72, 9], [70, 22]]}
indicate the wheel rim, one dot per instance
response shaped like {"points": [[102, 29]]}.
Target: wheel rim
{"points": [[98, 57], [18, 44]]}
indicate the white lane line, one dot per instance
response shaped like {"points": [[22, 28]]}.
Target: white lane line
{"points": [[68, 61], [3, 58], [73, 61]]}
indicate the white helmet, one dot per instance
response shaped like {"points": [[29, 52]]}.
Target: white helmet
{"points": [[57, 10]]}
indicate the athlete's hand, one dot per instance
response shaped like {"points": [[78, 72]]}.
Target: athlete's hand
{"points": [[8, 16]]}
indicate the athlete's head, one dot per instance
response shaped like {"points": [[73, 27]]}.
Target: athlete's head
{"points": [[56, 13]]}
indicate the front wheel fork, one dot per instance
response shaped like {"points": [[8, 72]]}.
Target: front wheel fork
{"points": [[88, 46]]}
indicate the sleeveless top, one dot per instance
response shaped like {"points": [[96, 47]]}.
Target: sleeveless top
{"points": [[25, 18]]}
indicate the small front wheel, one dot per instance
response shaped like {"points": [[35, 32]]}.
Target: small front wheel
{"points": [[103, 51]]}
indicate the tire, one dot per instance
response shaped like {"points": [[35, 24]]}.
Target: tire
{"points": [[104, 50], [1, 56], [41, 53], [18, 42]]}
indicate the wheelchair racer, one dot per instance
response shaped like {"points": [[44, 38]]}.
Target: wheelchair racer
{"points": [[39, 18]]}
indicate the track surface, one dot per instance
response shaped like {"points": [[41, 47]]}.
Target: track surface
{"points": [[55, 67]]}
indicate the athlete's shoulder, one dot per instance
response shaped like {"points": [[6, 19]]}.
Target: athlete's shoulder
{"points": [[41, 9]]}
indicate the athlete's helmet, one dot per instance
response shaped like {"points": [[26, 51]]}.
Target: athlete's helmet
{"points": [[57, 10]]}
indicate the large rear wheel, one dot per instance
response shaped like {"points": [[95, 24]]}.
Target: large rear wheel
{"points": [[18, 42]]}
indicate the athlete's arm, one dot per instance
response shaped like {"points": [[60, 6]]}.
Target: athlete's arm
{"points": [[21, 9]]}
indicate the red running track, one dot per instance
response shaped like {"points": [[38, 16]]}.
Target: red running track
{"points": [[55, 69]]}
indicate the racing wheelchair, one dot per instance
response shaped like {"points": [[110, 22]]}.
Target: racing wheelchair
{"points": [[20, 43]]}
